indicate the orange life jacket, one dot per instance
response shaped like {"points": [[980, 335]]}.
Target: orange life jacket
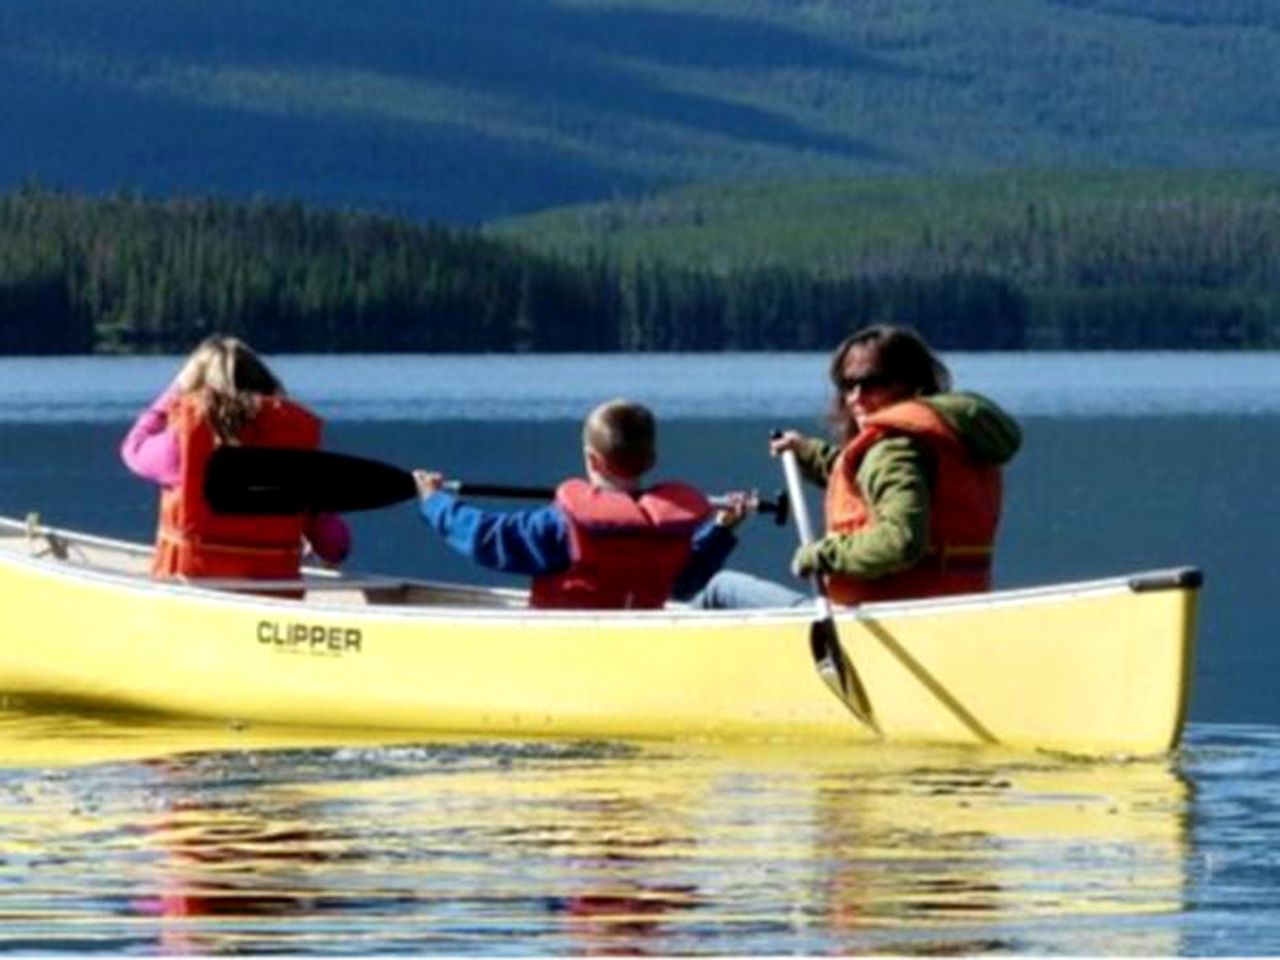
{"points": [[193, 541], [627, 551], [963, 516]]}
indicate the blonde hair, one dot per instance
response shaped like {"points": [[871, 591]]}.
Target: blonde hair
{"points": [[624, 434], [230, 380]]}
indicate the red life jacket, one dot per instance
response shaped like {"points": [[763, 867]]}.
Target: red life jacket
{"points": [[627, 551], [193, 541], [963, 516]]}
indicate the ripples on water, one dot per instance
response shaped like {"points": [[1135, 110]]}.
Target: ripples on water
{"points": [[192, 839]]}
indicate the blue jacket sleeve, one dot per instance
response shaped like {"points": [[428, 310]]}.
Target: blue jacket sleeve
{"points": [[530, 542], [712, 545]]}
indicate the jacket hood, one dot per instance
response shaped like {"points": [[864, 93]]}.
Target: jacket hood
{"points": [[989, 433]]}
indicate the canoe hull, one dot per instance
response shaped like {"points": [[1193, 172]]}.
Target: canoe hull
{"points": [[1097, 668]]}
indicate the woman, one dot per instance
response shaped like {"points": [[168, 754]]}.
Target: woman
{"points": [[225, 394], [913, 490]]}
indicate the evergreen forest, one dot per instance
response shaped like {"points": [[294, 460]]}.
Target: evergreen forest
{"points": [[1010, 264]]}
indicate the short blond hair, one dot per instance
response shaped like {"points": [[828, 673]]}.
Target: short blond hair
{"points": [[624, 434]]}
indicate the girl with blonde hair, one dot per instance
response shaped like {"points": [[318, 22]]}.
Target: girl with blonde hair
{"points": [[225, 394]]}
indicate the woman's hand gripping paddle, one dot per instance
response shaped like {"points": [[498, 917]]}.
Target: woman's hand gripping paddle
{"points": [[824, 642]]}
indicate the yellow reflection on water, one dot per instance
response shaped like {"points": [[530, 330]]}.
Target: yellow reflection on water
{"points": [[227, 838]]}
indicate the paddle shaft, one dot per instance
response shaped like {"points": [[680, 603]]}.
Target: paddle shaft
{"points": [[833, 666], [467, 488], [804, 526], [270, 480], [799, 506]]}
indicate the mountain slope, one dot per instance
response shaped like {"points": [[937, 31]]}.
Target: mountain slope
{"points": [[856, 225], [475, 110]]}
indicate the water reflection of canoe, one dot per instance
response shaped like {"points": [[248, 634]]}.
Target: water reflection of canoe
{"points": [[887, 851], [591, 847], [1095, 667]]}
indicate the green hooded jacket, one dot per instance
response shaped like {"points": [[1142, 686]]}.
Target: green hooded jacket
{"points": [[895, 477]]}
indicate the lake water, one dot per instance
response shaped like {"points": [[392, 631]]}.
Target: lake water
{"points": [[124, 837]]}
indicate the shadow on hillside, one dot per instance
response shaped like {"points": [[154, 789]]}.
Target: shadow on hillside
{"points": [[615, 61]]}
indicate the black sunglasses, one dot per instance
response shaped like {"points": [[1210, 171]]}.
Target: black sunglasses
{"points": [[870, 381]]}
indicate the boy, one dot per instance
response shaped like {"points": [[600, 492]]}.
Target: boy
{"points": [[607, 541]]}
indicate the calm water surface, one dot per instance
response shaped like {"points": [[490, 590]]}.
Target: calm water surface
{"points": [[725, 386], [121, 836]]}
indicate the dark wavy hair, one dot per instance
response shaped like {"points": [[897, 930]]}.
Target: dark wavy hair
{"points": [[898, 355]]}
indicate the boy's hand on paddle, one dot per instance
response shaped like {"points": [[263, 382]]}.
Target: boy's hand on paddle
{"points": [[733, 508], [428, 482]]}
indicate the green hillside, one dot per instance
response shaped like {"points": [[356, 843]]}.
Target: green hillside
{"points": [[995, 263], [838, 227], [476, 110], [1095, 258]]}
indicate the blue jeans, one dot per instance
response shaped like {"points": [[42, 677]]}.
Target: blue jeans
{"points": [[731, 590]]}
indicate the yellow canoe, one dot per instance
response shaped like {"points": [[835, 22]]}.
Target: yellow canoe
{"points": [[1098, 668]]}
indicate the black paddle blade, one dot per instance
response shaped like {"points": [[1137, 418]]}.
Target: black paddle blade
{"points": [[276, 481]]}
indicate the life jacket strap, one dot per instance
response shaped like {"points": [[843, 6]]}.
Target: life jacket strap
{"points": [[958, 556], [204, 544]]}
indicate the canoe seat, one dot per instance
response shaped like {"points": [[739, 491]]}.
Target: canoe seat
{"points": [[340, 589], [363, 590], [31, 538], [357, 590]]}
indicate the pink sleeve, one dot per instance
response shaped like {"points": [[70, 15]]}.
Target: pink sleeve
{"points": [[329, 536], [150, 449]]}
